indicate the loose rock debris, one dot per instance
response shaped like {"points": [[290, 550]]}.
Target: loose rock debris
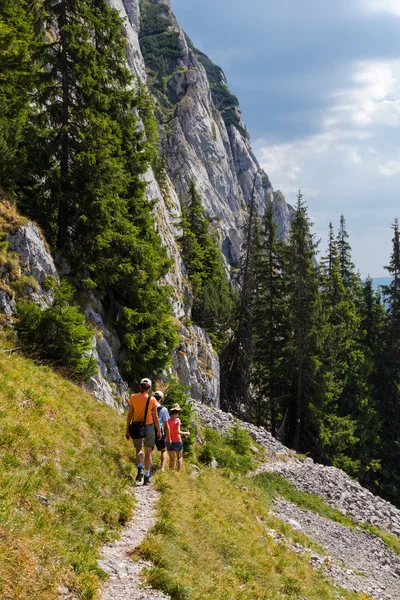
{"points": [[125, 581]]}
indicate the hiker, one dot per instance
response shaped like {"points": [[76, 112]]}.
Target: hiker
{"points": [[163, 417], [175, 448], [140, 422]]}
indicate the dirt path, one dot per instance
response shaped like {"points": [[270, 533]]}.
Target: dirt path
{"points": [[124, 580]]}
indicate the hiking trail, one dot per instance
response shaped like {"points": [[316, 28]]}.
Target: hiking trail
{"points": [[125, 579]]}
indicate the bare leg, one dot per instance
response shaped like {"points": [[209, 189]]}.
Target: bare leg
{"points": [[139, 456], [163, 458], [179, 461], [147, 458], [171, 460]]}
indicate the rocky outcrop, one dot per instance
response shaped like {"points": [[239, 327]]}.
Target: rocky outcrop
{"points": [[197, 364], [107, 385], [199, 145], [37, 275]]}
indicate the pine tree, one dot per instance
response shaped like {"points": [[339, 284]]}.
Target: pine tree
{"points": [[304, 313], [86, 156], [238, 355], [389, 406], [271, 329], [214, 300], [17, 80]]}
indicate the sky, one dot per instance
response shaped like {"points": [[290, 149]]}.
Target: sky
{"points": [[318, 83]]}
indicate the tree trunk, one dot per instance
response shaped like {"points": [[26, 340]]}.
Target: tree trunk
{"points": [[297, 429]]}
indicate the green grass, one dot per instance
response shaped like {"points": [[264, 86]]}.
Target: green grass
{"points": [[63, 485], [232, 452], [211, 543]]}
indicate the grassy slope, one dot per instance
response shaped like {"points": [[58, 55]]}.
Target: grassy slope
{"points": [[63, 493], [211, 543], [57, 442]]}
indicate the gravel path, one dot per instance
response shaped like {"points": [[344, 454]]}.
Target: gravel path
{"points": [[361, 561], [125, 582]]}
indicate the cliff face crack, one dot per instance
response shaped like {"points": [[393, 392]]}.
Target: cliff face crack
{"points": [[125, 579]]}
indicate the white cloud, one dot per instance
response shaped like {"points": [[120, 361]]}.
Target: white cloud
{"points": [[355, 157], [390, 168], [386, 6], [374, 96], [352, 165]]}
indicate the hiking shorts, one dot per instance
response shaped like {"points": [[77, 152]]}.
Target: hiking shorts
{"points": [[175, 447], [147, 441], [160, 443]]}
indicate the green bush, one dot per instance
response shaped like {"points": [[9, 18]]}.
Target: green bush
{"points": [[58, 334], [231, 451]]}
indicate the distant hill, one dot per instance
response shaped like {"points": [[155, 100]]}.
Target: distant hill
{"points": [[377, 281]]}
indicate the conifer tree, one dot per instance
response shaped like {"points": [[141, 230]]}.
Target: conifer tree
{"points": [[304, 313], [347, 268], [389, 405], [238, 355], [214, 300], [86, 156], [17, 79], [343, 363], [271, 327]]}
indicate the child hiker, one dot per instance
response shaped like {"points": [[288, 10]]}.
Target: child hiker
{"points": [[175, 447]]}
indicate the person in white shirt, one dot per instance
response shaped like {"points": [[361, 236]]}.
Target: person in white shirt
{"points": [[163, 417]]}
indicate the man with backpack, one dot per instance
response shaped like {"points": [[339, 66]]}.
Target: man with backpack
{"points": [[142, 423], [163, 417]]}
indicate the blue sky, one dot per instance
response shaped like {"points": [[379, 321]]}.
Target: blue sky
{"points": [[319, 85]]}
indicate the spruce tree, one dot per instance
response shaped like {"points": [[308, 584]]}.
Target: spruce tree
{"points": [[347, 268], [304, 314], [213, 297], [86, 157], [389, 406], [238, 355], [343, 364], [17, 81], [271, 327]]}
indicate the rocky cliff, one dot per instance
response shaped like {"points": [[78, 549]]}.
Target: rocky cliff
{"points": [[203, 139]]}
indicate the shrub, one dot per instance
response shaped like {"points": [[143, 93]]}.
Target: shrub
{"points": [[231, 451], [58, 334]]}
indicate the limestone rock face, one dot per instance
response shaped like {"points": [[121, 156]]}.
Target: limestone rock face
{"points": [[197, 364], [107, 385], [7, 303], [36, 262], [198, 145]]}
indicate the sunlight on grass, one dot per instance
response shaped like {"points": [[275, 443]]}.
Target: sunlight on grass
{"points": [[63, 485], [212, 542]]}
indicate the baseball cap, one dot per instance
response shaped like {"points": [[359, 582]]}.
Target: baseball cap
{"points": [[146, 381]]}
